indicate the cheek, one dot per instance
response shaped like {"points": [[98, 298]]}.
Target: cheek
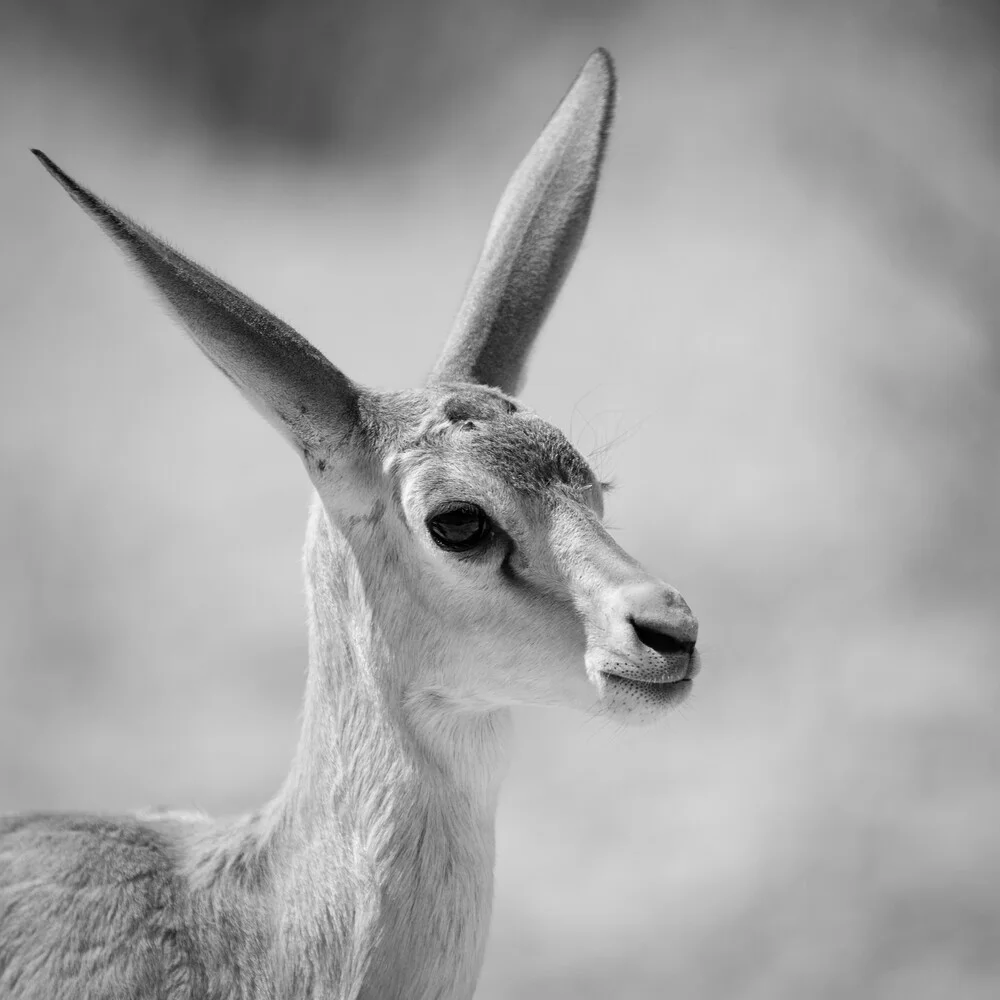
{"points": [[492, 647], [521, 628]]}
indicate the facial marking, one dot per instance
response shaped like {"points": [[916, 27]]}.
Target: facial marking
{"points": [[371, 518]]}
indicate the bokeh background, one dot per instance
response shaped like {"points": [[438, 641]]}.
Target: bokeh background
{"points": [[781, 339]]}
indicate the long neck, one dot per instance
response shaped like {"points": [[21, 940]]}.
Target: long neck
{"points": [[384, 831]]}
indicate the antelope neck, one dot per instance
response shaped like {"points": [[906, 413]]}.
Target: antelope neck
{"points": [[387, 818]]}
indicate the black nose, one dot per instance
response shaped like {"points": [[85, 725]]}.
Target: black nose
{"points": [[664, 638], [659, 617]]}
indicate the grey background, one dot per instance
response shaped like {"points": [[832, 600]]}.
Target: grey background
{"points": [[780, 339]]}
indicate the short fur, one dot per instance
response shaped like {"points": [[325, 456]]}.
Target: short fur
{"points": [[369, 875]]}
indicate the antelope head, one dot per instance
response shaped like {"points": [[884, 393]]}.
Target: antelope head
{"points": [[458, 535]]}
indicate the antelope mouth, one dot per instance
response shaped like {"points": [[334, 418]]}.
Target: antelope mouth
{"points": [[660, 691], [662, 688]]}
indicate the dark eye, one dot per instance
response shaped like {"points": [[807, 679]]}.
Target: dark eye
{"points": [[459, 529]]}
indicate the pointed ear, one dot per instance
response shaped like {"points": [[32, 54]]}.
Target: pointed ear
{"points": [[309, 400], [533, 238]]}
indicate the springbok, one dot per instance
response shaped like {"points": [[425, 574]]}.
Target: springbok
{"points": [[456, 565]]}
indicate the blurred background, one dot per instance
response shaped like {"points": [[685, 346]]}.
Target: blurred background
{"points": [[781, 339]]}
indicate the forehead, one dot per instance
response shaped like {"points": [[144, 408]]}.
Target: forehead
{"points": [[473, 427]]}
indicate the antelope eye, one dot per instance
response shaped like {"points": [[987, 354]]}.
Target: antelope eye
{"points": [[460, 528]]}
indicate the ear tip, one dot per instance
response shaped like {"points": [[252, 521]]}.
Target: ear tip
{"points": [[601, 63], [79, 194], [599, 79], [50, 166], [603, 56]]}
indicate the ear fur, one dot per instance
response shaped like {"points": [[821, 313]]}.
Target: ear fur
{"points": [[290, 382], [533, 238]]}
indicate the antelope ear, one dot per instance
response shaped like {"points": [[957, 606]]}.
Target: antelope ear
{"points": [[533, 238], [310, 401]]}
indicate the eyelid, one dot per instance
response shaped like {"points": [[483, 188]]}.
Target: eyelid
{"points": [[455, 503], [439, 507]]}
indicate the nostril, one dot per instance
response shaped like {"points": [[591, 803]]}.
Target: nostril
{"points": [[662, 642]]}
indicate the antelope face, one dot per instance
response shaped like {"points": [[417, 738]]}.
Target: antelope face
{"points": [[534, 601], [477, 522]]}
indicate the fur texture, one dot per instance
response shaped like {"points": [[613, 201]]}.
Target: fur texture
{"points": [[370, 873]]}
